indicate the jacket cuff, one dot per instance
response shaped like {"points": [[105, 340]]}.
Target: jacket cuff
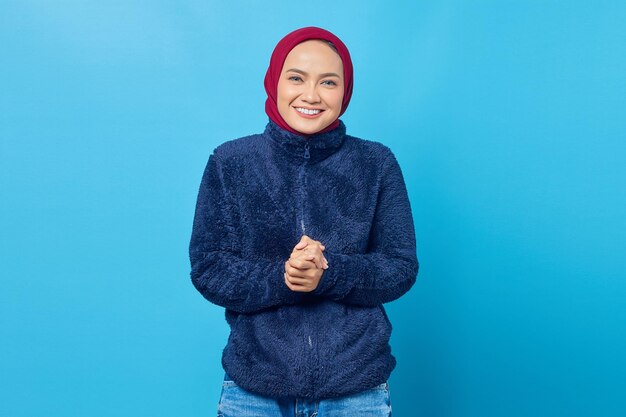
{"points": [[328, 283]]}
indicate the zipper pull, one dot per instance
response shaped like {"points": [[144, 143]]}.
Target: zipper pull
{"points": [[307, 155]]}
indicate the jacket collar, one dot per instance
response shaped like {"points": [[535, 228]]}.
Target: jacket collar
{"points": [[320, 145]]}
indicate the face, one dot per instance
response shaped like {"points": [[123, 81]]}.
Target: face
{"points": [[310, 88]]}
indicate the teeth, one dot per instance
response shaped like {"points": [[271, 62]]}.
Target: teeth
{"points": [[306, 111]]}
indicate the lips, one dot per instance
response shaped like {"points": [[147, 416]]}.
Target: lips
{"points": [[308, 112]]}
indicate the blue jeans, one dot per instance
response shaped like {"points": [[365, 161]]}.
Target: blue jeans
{"points": [[238, 402]]}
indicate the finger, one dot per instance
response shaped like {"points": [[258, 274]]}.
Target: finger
{"points": [[313, 257], [295, 268], [290, 285], [319, 261], [296, 280], [301, 263], [302, 255], [293, 286], [305, 244]]}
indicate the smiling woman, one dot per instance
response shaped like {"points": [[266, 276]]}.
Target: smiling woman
{"points": [[302, 233], [306, 43]]}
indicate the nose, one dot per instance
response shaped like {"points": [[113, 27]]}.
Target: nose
{"points": [[310, 94]]}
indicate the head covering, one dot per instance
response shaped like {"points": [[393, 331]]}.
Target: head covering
{"points": [[282, 49]]}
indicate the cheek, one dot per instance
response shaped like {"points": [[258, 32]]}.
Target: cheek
{"points": [[285, 95], [337, 99]]}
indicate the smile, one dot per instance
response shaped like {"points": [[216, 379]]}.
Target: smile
{"points": [[307, 111]]}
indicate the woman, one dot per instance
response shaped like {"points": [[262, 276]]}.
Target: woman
{"points": [[302, 232]]}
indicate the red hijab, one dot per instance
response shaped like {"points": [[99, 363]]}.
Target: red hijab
{"points": [[282, 49]]}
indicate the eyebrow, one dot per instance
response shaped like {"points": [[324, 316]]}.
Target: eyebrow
{"points": [[326, 74]]}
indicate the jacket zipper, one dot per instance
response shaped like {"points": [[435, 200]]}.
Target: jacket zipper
{"points": [[307, 156]]}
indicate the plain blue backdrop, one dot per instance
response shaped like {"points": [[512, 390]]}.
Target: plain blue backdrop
{"points": [[507, 117]]}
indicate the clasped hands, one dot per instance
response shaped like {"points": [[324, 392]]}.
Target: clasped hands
{"points": [[306, 265]]}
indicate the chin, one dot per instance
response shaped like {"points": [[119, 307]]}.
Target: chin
{"points": [[308, 129]]}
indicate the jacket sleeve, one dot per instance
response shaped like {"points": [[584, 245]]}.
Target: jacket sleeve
{"points": [[218, 271], [390, 266]]}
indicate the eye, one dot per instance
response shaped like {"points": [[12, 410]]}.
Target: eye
{"points": [[331, 82], [295, 78]]}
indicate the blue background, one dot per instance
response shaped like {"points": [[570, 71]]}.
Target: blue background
{"points": [[507, 118]]}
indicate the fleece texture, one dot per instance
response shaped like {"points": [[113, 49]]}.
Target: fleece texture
{"points": [[258, 195]]}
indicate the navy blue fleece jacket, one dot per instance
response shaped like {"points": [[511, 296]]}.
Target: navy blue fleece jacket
{"points": [[258, 195]]}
